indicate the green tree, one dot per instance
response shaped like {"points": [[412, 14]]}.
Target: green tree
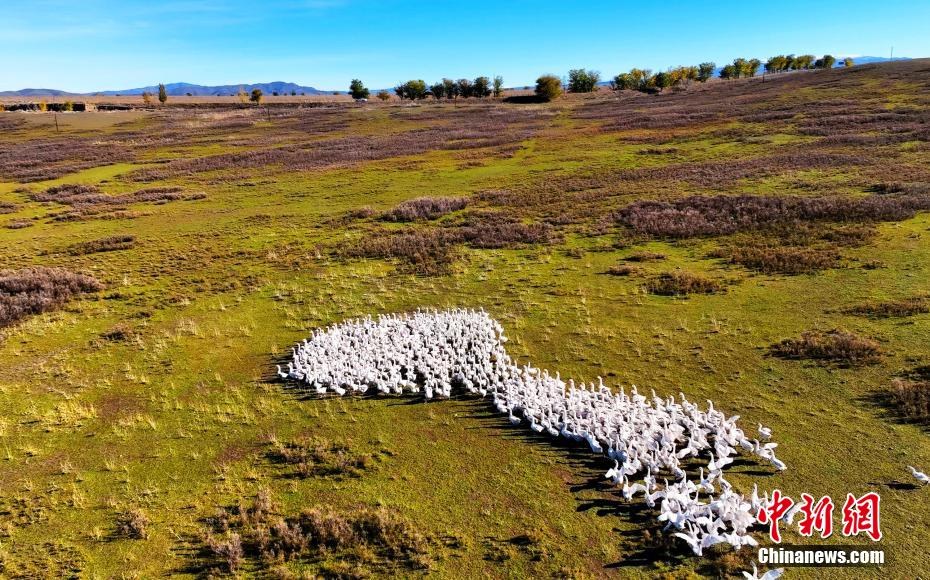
{"points": [[622, 82], [256, 96], [498, 86], [776, 64], [662, 80], [414, 90], [438, 90], [582, 81], [729, 72], [752, 67], [848, 62], [464, 88], [548, 87], [450, 89], [162, 94], [827, 61], [804, 62], [481, 87], [705, 71], [643, 79], [358, 90]]}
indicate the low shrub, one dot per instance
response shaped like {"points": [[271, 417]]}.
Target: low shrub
{"points": [[622, 270], [425, 208], [320, 458], [911, 396], [8, 207], [133, 524], [835, 346], [36, 290], [645, 257], [18, 225], [425, 252], [360, 213], [108, 244], [728, 214], [789, 260], [892, 308], [682, 284], [367, 539]]}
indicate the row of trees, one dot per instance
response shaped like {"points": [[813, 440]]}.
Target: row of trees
{"points": [[783, 62], [480, 88], [644, 80], [740, 68]]}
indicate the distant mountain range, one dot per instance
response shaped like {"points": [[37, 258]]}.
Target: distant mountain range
{"points": [[280, 87], [181, 89]]}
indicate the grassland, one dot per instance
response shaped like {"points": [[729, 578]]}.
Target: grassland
{"points": [[152, 404]]}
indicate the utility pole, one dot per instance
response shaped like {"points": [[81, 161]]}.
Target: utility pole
{"points": [[57, 130]]}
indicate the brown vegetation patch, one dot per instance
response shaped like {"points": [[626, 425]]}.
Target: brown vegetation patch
{"points": [[367, 540], [892, 308], [8, 207], [320, 458], [37, 290], [683, 284], [107, 244], [645, 257], [457, 129], [622, 270], [911, 395], [835, 346], [431, 251], [425, 252], [133, 524], [425, 208], [41, 159], [776, 259], [728, 214], [88, 202]]}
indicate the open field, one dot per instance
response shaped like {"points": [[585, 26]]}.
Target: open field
{"points": [[763, 245]]}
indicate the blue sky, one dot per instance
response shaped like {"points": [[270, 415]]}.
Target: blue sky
{"points": [[86, 45]]}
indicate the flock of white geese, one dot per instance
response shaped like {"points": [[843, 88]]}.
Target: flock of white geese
{"points": [[652, 440]]}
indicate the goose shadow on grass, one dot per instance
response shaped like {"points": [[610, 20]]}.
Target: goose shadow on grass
{"points": [[646, 543]]}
